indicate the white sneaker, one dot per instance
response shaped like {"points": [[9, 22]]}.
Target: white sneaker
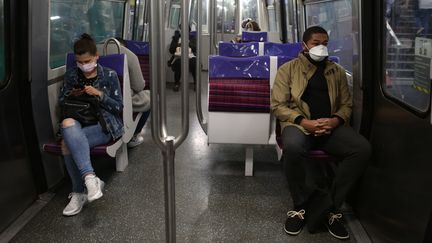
{"points": [[77, 201], [94, 187], [135, 141]]}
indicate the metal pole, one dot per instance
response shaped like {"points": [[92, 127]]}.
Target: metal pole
{"points": [[184, 72], [162, 71], [166, 143], [215, 42], [169, 186], [154, 60], [199, 111]]}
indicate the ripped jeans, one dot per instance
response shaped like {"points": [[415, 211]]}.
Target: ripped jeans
{"points": [[78, 141]]}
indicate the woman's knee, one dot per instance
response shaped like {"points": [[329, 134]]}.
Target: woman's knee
{"points": [[68, 122]]}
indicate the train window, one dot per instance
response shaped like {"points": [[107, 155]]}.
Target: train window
{"points": [[249, 10], [271, 10], [408, 46], [2, 47], [336, 18], [70, 18], [226, 9], [174, 15], [140, 21]]}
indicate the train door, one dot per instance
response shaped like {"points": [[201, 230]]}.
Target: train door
{"points": [[19, 169]]}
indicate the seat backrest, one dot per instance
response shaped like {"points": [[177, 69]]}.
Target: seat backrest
{"points": [[243, 49], [114, 61], [231, 67], [142, 50], [254, 36], [282, 49]]}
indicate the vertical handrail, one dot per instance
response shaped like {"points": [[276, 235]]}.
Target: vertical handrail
{"points": [[223, 21], [166, 143], [237, 17], [198, 103], [155, 33], [162, 71], [185, 73], [213, 25]]}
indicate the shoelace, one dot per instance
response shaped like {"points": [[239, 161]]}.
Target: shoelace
{"points": [[334, 217], [299, 214]]}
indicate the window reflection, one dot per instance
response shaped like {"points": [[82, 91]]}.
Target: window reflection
{"points": [[225, 16], [70, 18], [336, 18], [408, 45], [2, 46], [250, 10], [174, 16]]}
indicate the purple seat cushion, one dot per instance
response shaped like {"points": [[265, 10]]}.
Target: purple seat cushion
{"points": [[55, 148]]}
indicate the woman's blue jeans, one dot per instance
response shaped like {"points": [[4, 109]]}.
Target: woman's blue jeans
{"points": [[78, 141]]}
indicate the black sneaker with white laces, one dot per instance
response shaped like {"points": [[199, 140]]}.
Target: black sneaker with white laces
{"points": [[295, 222], [335, 226]]}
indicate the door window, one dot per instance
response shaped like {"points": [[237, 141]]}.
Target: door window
{"points": [[408, 52]]}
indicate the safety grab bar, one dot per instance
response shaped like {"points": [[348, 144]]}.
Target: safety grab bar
{"points": [[393, 34], [166, 143], [213, 28], [198, 102], [105, 46]]}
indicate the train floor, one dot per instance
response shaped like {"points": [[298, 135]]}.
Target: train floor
{"points": [[215, 202]]}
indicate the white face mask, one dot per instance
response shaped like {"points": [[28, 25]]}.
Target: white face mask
{"points": [[88, 67], [318, 53]]}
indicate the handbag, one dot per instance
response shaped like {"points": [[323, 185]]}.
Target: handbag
{"points": [[83, 108]]}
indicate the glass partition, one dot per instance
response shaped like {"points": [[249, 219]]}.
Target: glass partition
{"points": [[2, 46], [226, 16], [249, 10], [336, 18], [70, 18], [408, 46]]}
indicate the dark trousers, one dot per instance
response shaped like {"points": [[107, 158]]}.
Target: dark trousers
{"points": [[142, 121], [304, 178], [176, 67]]}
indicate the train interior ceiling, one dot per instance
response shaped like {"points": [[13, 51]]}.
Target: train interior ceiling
{"points": [[228, 176]]}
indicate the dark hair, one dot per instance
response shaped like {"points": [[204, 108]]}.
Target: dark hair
{"points": [[307, 35], [85, 44], [255, 26], [121, 40]]}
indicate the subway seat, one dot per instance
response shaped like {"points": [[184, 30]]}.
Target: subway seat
{"points": [[222, 80], [259, 36], [116, 149], [142, 50]]}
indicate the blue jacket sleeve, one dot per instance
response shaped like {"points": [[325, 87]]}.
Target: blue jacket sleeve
{"points": [[112, 100]]}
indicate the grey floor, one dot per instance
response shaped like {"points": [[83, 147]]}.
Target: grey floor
{"points": [[215, 201]]}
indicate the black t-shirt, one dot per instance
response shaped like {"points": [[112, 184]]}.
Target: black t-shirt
{"points": [[316, 94], [85, 81]]}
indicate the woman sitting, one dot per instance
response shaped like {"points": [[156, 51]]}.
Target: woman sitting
{"points": [[90, 79]]}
